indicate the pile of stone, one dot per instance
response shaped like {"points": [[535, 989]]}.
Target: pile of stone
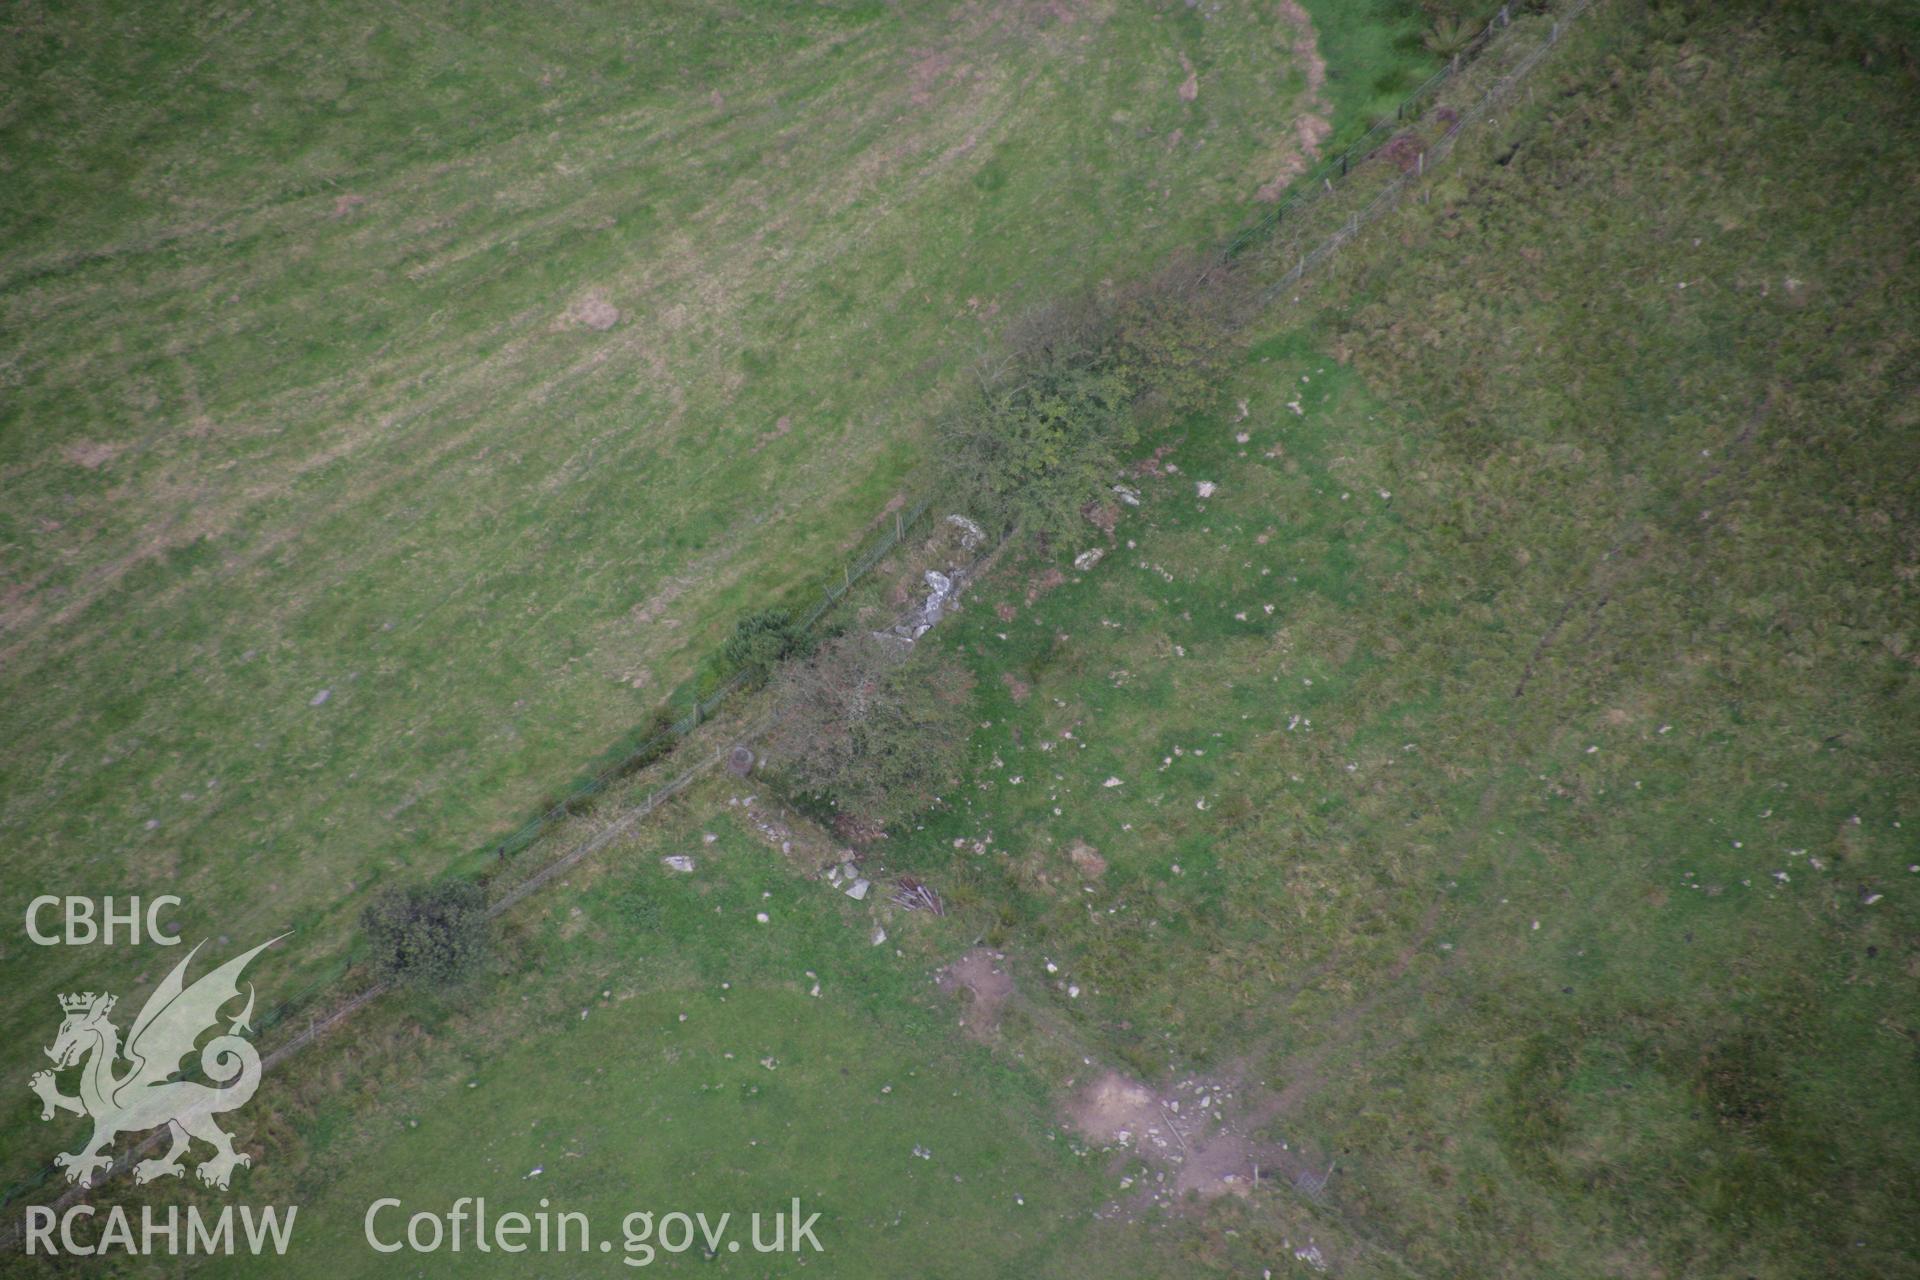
{"points": [[941, 591], [847, 879]]}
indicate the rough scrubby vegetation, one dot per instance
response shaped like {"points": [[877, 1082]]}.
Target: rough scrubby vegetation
{"points": [[1507, 764], [1052, 419], [434, 934], [871, 727]]}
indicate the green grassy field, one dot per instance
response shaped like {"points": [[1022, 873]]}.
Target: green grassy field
{"points": [[1501, 776], [1493, 786], [337, 537], [1510, 755], [668, 1053]]}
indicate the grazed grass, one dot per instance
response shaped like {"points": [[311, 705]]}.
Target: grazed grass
{"points": [[301, 396], [1551, 875], [1590, 599], [1587, 612], [624, 1052]]}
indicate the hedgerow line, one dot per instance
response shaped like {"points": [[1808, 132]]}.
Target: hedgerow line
{"points": [[1310, 190]]}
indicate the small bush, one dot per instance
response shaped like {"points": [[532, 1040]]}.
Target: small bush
{"points": [[878, 729], [656, 743], [1170, 335], [761, 641], [1036, 442], [436, 934], [1047, 430]]}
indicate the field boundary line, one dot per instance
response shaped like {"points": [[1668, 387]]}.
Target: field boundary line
{"points": [[1426, 158], [1309, 189]]}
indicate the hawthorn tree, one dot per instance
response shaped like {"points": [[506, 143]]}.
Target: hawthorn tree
{"points": [[873, 725]]}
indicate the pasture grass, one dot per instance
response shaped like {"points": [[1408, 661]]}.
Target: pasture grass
{"points": [[1539, 858], [1543, 848], [1538, 862], [649, 1045], [336, 537]]}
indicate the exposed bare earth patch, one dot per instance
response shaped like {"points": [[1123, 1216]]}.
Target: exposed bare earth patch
{"points": [[1186, 1132], [91, 454], [988, 985], [1311, 127], [1043, 583], [1087, 860], [593, 312]]}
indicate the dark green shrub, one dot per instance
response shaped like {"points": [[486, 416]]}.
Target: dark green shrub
{"points": [[436, 934], [761, 641], [1031, 448], [1047, 430]]}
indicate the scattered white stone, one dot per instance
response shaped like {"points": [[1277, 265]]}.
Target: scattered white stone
{"points": [[763, 917], [972, 535], [1129, 496], [1113, 782], [1205, 488], [1088, 558], [677, 862], [879, 935], [319, 697], [858, 889]]}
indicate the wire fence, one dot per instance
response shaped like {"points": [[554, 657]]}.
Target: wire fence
{"points": [[306, 1015], [1403, 143], [1310, 193], [661, 743], [1487, 67]]}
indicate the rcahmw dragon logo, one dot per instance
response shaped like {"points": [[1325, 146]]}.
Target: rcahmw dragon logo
{"points": [[143, 1096]]}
